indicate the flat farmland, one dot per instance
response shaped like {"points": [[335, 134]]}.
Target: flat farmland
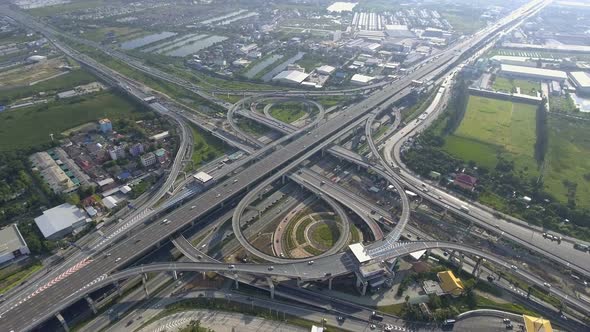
{"points": [[26, 127], [567, 168], [493, 129]]}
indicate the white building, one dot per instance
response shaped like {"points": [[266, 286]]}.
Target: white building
{"points": [[533, 73], [12, 244], [117, 152], [581, 80], [290, 77], [148, 159], [325, 70], [61, 220], [359, 79], [202, 177], [160, 136]]}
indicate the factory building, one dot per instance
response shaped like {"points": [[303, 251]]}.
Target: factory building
{"points": [[359, 79], [12, 244], [532, 73], [290, 77], [61, 220], [581, 80]]}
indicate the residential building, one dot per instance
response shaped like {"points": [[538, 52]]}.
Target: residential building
{"points": [[161, 155], [117, 152], [465, 181], [136, 149], [61, 220], [450, 284], [105, 125], [55, 176], [12, 244], [148, 159]]}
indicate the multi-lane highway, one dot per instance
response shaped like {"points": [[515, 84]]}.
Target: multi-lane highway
{"points": [[42, 306]]}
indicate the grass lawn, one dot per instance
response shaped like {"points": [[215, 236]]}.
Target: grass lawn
{"points": [[26, 127], [10, 280], [466, 21], [121, 33], [325, 235], [567, 168], [206, 147], [508, 85], [563, 104], [287, 112], [64, 82], [494, 128]]}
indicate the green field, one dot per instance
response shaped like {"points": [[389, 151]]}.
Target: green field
{"points": [[567, 169], [494, 128], [206, 147], [325, 235], [287, 112], [508, 85], [60, 83], [68, 7], [27, 127], [121, 33]]}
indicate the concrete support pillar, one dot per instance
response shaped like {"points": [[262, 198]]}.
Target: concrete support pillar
{"points": [[63, 322], [271, 287], [358, 168], [283, 179], [330, 283], [91, 304], [118, 287], [299, 282], [364, 290], [476, 267], [174, 275], [144, 282], [237, 282]]}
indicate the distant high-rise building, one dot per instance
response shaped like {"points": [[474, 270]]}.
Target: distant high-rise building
{"points": [[105, 125]]}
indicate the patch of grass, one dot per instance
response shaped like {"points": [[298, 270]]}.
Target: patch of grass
{"points": [[313, 251], [288, 111], [509, 85], [563, 104], [206, 147], [310, 62], [392, 309], [567, 167], [496, 128], [325, 235], [21, 128], [355, 236], [300, 233], [484, 303], [464, 21], [121, 33], [54, 85], [10, 280]]}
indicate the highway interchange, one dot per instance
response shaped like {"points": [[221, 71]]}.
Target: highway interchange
{"points": [[283, 155]]}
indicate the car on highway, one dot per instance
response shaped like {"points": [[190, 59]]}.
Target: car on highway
{"points": [[118, 259], [514, 267], [231, 267], [546, 284], [270, 268], [310, 263]]}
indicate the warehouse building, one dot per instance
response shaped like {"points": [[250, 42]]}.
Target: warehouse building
{"points": [[581, 80], [54, 172], [290, 77], [61, 220], [532, 73], [359, 79], [12, 244]]}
